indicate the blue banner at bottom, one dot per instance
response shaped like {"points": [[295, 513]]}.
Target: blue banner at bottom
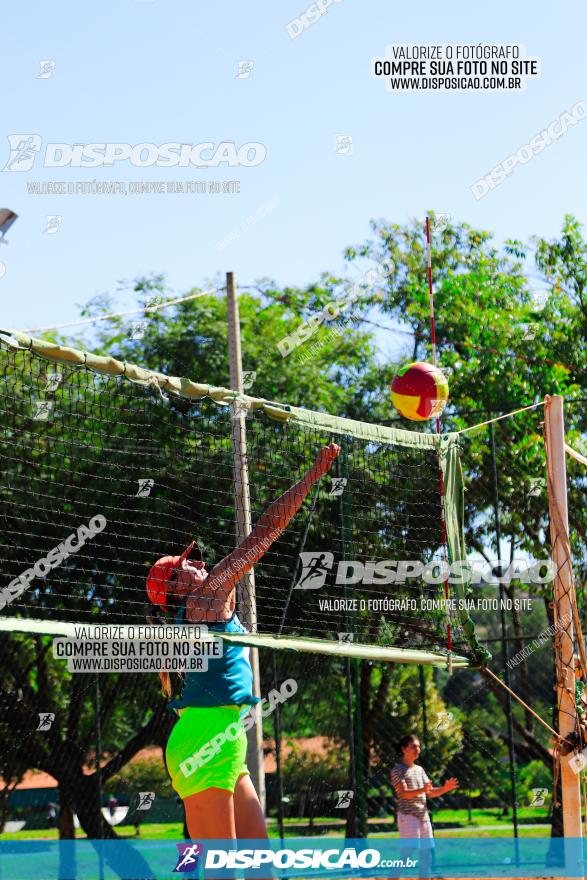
{"points": [[292, 858]]}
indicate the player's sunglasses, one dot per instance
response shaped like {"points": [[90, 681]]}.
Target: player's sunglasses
{"points": [[196, 553]]}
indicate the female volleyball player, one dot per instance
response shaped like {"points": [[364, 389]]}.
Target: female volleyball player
{"points": [[205, 757]]}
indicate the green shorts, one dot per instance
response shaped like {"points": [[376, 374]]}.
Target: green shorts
{"points": [[207, 749]]}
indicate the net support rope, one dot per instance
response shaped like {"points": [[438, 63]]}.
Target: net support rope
{"points": [[563, 536]]}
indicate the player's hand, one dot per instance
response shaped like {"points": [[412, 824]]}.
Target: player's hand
{"points": [[325, 458], [451, 784], [427, 787]]}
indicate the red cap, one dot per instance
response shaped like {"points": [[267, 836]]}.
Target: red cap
{"points": [[158, 577]]}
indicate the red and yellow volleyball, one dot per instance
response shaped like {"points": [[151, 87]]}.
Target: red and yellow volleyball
{"points": [[419, 391]]}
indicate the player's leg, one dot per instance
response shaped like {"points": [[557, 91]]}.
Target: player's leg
{"points": [[409, 831], [249, 818], [210, 815], [426, 847]]}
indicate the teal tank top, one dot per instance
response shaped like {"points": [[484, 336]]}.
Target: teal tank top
{"points": [[228, 680]]}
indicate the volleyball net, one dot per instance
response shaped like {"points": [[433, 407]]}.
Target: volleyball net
{"points": [[106, 467]]}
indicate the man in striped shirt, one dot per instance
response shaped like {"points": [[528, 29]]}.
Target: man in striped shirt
{"points": [[412, 786]]}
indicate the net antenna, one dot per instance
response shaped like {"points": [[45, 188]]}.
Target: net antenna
{"points": [[568, 628]]}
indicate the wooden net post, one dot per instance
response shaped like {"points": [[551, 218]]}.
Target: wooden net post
{"points": [[247, 603], [563, 594]]}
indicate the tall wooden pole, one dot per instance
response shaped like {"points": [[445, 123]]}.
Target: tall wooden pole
{"points": [[247, 604], [504, 641], [556, 472]]}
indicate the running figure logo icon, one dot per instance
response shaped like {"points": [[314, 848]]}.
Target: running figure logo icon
{"points": [[338, 486], [445, 719], [53, 381], [315, 568], [245, 69], [46, 719], [188, 856], [344, 799], [54, 221], [145, 488], [43, 410], [146, 800], [46, 69], [539, 796], [23, 151]]}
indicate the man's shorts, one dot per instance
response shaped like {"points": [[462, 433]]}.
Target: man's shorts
{"points": [[207, 749], [416, 828]]}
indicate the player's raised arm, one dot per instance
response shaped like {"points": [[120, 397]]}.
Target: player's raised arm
{"points": [[227, 573]]}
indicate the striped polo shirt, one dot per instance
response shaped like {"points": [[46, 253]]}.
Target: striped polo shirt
{"points": [[414, 777]]}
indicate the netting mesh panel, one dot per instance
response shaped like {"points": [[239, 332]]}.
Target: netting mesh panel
{"points": [[75, 445], [390, 510]]}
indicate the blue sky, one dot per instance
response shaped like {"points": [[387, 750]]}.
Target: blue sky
{"points": [[136, 71]]}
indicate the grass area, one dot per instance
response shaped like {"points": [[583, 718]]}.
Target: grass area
{"points": [[533, 821], [490, 816]]}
